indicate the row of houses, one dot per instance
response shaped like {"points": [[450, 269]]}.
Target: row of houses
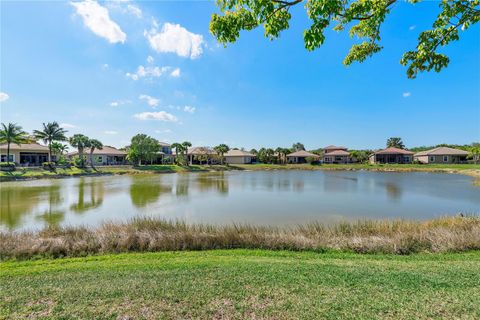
{"points": [[34, 154]]}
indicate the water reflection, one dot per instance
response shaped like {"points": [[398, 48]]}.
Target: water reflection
{"points": [[212, 182], [394, 192], [144, 191], [90, 195], [18, 203]]}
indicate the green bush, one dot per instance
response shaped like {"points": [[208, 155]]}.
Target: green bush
{"points": [[312, 160], [7, 166], [48, 166]]}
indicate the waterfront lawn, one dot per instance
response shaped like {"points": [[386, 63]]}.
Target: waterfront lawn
{"points": [[243, 284]]}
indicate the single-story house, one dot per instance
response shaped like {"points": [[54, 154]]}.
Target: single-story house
{"points": [[201, 155], [239, 157], [391, 155], [104, 157], [25, 154], [441, 155], [334, 154], [301, 156]]}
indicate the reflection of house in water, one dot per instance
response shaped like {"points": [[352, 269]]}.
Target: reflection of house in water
{"points": [[181, 185], [17, 202], [145, 191], [213, 181], [394, 192], [90, 195]]}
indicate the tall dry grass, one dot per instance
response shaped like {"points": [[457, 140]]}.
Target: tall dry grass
{"points": [[447, 234]]}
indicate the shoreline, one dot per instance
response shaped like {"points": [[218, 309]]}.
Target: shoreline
{"points": [[471, 170]]}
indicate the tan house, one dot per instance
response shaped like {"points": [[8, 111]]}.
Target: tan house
{"points": [[25, 154], [201, 155], [239, 157], [107, 156], [334, 154], [301, 156], [441, 155], [391, 155]]}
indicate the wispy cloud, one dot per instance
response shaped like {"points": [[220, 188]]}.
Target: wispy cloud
{"points": [[134, 10], [119, 103], [159, 116], [150, 59], [412, 27], [4, 97], [152, 102], [67, 125], [97, 19], [406, 94], [110, 132], [189, 109], [148, 72], [163, 131], [175, 73], [176, 39]]}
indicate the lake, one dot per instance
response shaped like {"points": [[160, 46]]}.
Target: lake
{"points": [[256, 197]]}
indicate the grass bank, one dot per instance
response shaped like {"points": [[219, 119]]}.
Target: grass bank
{"points": [[39, 173], [243, 284], [448, 234]]}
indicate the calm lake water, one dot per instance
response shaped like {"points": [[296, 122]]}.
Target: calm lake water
{"points": [[258, 197]]}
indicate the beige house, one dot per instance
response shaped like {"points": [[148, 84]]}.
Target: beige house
{"points": [[106, 156], [391, 155], [239, 157], [334, 154], [441, 155], [301, 156], [25, 154], [201, 155]]}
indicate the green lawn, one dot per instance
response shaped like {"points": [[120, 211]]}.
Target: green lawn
{"points": [[243, 284]]}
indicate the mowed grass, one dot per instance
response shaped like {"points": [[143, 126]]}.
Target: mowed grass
{"points": [[243, 284]]}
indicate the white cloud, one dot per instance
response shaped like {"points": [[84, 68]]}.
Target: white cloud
{"points": [[175, 73], [152, 102], [111, 132], [189, 109], [67, 125], [148, 72], [119, 103], [105, 66], [97, 19], [4, 97], [406, 94], [134, 10], [163, 131], [160, 116], [176, 39], [412, 27], [150, 59]]}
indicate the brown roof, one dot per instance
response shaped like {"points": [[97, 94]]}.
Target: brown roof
{"points": [[440, 151], [332, 147], [107, 150], [163, 144], [25, 147], [302, 153], [238, 153], [200, 150], [393, 150], [338, 153]]}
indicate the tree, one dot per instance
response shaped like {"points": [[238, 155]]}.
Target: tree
{"points": [[266, 155], [282, 154], [143, 148], [12, 133], [93, 144], [185, 145], [253, 151], [80, 142], [475, 152], [221, 149], [395, 142], [59, 148], [51, 132], [298, 146], [178, 151], [360, 155], [364, 18]]}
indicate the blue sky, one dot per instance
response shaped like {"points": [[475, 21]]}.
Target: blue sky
{"points": [[87, 66]]}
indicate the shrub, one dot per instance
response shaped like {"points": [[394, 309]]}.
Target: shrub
{"points": [[7, 166], [311, 160], [48, 166]]}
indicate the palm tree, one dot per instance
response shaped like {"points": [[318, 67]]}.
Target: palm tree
{"points": [[94, 144], [282, 154], [178, 150], [395, 142], [221, 149], [12, 133], [51, 132], [59, 148], [80, 142], [186, 145]]}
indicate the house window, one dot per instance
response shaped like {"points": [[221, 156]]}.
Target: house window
{"points": [[432, 159], [445, 158], [4, 158], [406, 159]]}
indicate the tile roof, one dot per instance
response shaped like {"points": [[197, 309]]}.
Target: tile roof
{"points": [[107, 150], [337, 153], [25, 147], [332, 147], [440, 151], [302, 153], [393, 150], [238, 153]]}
